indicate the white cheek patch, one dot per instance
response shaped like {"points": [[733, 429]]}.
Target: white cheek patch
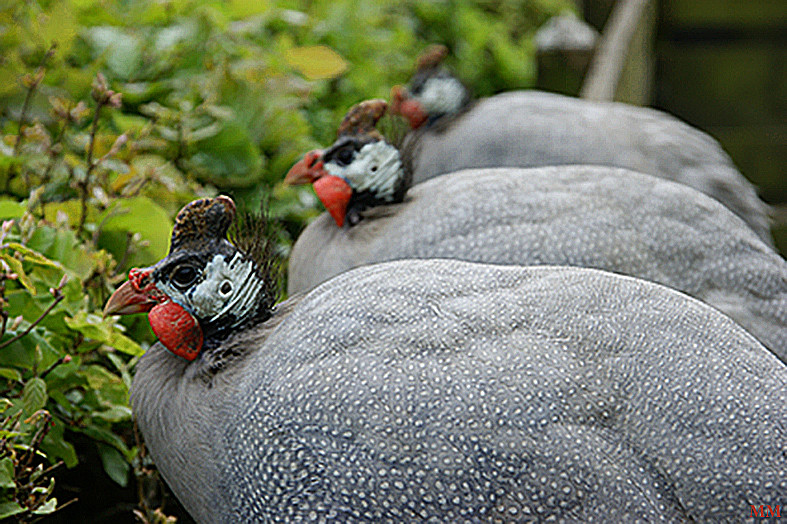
{"points": [[441, 95], [376, 167], [225, 287]]}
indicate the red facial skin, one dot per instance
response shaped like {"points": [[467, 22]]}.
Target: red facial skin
{"points": [[334, 192], [307, 170], [409, 108], [175, 327]]}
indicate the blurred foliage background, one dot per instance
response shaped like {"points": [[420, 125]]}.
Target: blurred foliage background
{"points": [[114, 114]]}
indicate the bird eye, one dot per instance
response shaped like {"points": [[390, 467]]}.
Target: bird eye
{"points": [[344, 156], [184, 276], [226, 288]]}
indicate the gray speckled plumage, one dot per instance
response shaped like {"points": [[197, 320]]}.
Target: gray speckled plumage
{"points": [[447, 391], [589, 216], [531, 128]]}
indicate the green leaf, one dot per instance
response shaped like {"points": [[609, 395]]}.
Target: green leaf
{"points": [[114, 414], [10, 374], [9, 509], [60, 26], [316, 62], [228, 159], [116, 466], [11, 209], [136, 215], [49, 507], [129, 122], [72, 209], [33, 255], [124, 344], [122, 51], [57, 448], [98, 377], [103, 435], [16, 267], [239, 9], [34, 395], [62, 245], [21, 354], [7, 474], [90, 325]]}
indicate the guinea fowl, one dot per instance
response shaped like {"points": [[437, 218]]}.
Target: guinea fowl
{"points": [[445, 390], [589, 216], [532, 128]]}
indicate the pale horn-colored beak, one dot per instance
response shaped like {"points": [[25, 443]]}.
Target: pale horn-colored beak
{"points": [[129, 298], [307, 170]]}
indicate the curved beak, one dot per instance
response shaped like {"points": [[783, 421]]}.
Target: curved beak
{"points": [[307, 170], [127, 300], [334, 193], [136, 295]]}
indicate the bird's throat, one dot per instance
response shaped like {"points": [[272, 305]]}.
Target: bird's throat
{"points": [[176, 329]]}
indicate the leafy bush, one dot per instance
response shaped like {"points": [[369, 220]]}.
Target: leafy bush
{"points": [[123, 112]]}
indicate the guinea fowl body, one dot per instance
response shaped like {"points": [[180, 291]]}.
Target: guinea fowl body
{"points": [[588, 216], [531, 129], [450, 391]]}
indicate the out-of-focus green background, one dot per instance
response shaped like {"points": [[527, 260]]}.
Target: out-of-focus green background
{"points": [[113, 114]]}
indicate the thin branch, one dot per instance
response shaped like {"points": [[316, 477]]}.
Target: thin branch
{"points": [[3, 303], [59, 507], [93, 129], [39, 518], [54, 154], [142, 451], [36, 81], [35, 443], [47, 371], [127, 251], [58, 298], [84, 184]]}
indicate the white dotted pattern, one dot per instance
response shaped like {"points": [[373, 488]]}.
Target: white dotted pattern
{"points": [[444, 391], [532, 128], [587, 216]]}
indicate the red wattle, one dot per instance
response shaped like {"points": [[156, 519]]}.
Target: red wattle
{"points": [[176, 329], [414, 112], [334, 193]]}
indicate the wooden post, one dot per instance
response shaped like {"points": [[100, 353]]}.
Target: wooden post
{"points": [[565, 46], [622, 68]]}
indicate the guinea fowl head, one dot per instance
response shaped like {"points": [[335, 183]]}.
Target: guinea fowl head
{"points": [[209, 286], [360, 170], [434, 91]]}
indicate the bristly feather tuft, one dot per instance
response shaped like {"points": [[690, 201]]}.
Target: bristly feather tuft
{"points": [[393, 128], [254, 235]]}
